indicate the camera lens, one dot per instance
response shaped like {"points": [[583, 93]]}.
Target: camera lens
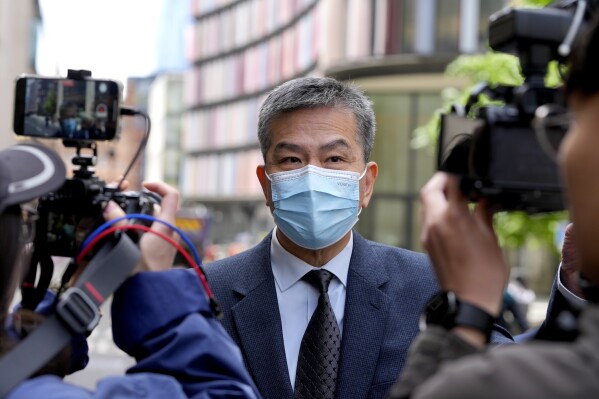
{"points": [[551, 123]]}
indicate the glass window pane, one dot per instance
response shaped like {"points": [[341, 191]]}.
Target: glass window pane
{"points": [[172, 166], [392, 216], [425, 157], [448, 26], [392, 141], [173, 131], [416, 216], [388, 215], [400, 26], [487, 7]]}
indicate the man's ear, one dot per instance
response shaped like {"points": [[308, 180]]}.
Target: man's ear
{"points": [[367, 185], [265, 183]]}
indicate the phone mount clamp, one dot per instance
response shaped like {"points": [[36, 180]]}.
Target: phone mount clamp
{"points": [[82, 160]]}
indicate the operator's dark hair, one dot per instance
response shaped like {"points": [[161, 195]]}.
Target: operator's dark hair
{"points": [[582, 77], [10, 248]]}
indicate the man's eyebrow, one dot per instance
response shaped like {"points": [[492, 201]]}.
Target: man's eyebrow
{"points": [[336, 144], [284, 145]]}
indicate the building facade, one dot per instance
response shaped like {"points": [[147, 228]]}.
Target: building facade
{"points": [[396, 50], [165, 107], [19, 25]]}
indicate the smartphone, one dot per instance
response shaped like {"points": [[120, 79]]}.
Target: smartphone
{"points": [[62, 108]]}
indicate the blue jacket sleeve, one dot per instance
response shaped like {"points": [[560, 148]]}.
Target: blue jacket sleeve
{"points": [[163, 319]]}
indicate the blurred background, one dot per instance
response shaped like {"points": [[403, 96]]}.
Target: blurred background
{"points": [[201, 69]]}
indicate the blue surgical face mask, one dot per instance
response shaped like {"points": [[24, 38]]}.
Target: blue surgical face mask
{"points": [[315, 207]]}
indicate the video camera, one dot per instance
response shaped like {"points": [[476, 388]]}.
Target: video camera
{"points": [[494, 148], [69, 214], [81, 111]]}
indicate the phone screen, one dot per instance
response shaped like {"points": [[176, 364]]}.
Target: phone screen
{"points": [[76, 109]]}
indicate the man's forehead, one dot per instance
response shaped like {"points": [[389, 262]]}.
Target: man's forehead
{"points": [[319, 127], [327, 118]]}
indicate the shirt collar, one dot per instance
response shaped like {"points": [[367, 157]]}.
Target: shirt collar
{"points": [[289, 269]]}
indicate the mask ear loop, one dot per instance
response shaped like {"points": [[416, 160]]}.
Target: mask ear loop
{"points": [[269, 203], [363, 173], [360, 178]]}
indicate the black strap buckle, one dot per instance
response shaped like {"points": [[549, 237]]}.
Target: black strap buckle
{"points": [[78, 312]]}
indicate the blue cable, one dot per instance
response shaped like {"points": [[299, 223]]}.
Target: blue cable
{"points": [[106, 225]]}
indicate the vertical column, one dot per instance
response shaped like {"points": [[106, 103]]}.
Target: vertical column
{"points": [[424, 38], [358, 29], [469, 19], [332, 21], [380, 27]]}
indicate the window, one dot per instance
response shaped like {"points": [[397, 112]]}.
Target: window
{"points": [[448, 26], [487, 7], [392, 216], [400, 26]]}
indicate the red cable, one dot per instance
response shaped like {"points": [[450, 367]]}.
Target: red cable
{"points": [[175, 244]]}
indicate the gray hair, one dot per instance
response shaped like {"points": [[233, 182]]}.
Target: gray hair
{"points": [[313, 92]]}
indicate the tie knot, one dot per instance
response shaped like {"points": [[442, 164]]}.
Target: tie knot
{"points": [[320, 279]]}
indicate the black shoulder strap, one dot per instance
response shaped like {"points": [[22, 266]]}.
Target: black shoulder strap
{"points": [[77, 312]]}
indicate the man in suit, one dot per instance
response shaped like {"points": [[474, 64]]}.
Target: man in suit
{"points": [[316, 135]]}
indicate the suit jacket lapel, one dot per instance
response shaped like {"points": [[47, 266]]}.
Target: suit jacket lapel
{"points": [[258, 324], [366, 309]]}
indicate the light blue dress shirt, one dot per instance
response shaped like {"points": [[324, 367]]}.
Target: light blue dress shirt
{"points": [[298, 299], [574, 300]]}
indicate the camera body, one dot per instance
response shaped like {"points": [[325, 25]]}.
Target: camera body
{"points": [[69, 214], [496, 153], [493, 148]]}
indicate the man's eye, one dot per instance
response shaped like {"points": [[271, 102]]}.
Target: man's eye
{"points": [[335, 159], [291, 160]]}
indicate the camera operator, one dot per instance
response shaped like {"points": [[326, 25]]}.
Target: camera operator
{"points": [[449, 361], [165, 322]]}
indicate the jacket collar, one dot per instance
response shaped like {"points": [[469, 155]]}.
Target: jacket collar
{"points": [[258, 322]]}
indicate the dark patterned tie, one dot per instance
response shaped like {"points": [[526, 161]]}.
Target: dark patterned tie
{"points": [[316, 375]]}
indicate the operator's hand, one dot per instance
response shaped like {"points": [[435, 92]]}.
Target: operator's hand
{"points": [[462, 244], [157, 254], [570, 263]]}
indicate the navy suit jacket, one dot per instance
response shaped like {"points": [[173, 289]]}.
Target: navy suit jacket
{"points": [[387, 289]]}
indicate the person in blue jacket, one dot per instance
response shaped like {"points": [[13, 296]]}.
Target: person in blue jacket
{"points": [[162, 319]]}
